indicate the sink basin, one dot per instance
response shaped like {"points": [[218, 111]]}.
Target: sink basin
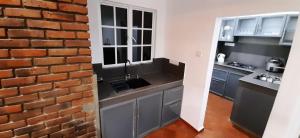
{"points": [[123, 85]]}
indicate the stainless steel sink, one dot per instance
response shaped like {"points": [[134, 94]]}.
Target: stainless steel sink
{"points": [[123, 85]]}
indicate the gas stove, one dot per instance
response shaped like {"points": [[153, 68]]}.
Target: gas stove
{"points": [[241, 65], [269, 78]]}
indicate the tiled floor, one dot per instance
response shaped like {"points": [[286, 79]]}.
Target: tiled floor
{"points": [[217, 124]]}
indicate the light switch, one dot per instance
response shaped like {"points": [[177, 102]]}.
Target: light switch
{"points": [[198, 54]]}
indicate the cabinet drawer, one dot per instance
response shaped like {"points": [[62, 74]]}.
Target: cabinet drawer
{"points": [[217, 86], [171, 112], [219, 74], [173, 94]]}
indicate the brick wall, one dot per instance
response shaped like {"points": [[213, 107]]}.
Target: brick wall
{"points": [[45, 69]]}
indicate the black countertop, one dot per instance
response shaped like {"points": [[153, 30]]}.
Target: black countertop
{"points": [[158, 81], [250, 78]]}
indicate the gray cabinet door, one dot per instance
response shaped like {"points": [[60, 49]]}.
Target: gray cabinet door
{"points": [[171, 112], [232, 85], [149, 113], [217, 86], [118, 121]]}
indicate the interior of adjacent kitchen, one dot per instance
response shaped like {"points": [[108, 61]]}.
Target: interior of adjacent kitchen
{"points": [[250, 60]]}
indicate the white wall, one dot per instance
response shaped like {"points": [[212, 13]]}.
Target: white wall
{"points": [[94, 14], [190, 26]]}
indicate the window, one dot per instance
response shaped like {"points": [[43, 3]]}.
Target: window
{"points": [[127, 33]]}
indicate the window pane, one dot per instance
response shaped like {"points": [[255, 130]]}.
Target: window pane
{"points": [[146, 53], [107, 14], [137, 18], [137, 37], [147, 37], [121, 17], [109, 56], [148, 20], [121, 37], [108, 36], [136, 54], [122, 54]]}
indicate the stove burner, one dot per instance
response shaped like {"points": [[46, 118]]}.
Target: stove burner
{"points": [[240, 65]]}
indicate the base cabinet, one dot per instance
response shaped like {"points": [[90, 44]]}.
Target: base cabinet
{"points": [[118, 121], [232, 85], [149, 113], [138, 117]]}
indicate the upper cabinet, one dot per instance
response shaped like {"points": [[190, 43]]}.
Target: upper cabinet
{"points": [[227, 30], [289, 31], [270, 26], [246, 26]]}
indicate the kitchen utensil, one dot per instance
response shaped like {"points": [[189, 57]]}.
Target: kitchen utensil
{"points": [[275, 65], [221, 57]]}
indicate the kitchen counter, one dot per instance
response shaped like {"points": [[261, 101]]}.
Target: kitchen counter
{"points": [[250, 78], [159, 82]]}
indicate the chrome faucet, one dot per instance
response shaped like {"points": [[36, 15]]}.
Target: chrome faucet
{"points": [[127, 75]]}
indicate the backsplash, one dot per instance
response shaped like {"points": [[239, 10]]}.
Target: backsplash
{"points": [[254, 51]]}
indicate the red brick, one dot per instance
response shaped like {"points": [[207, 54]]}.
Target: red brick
{"points": [[75, 26], [6, 74], [80, 74], [23, 136], [21, 12], [62, 52], [82, 2], [68, 83], [46, 131], [72, 123], [88, 94], [87, 80], [83, 35], [23, 53], [54, 93], [40, 4], [36, 88], [21, 99], [29, 129], [14, 63], [2, 32], [84, 51], [41, 118], [24, 115], [20, 81], [10, 2], [47, 43], [8, 92], [72, 8], [10, 109], [69, 97], [25, 72], [14, 43], [63, 133], [22, 33], [77, 43], [64, 68], [56, 108], [39, 104], [49, 61], [81, 18], [6, 134], [79, 59], [3, 119], [86, 66], [60, 34], [79, 115], [81, 88], [43, 24], [11, 22], [70, 111], [4, 53], [52, 77], [58, 121], [58, 16]]}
